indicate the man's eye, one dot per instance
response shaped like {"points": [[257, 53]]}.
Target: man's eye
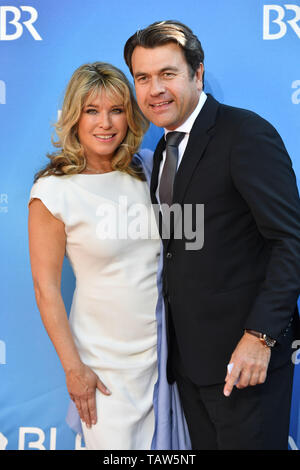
{"points": [[169, 74], [142, 79]]}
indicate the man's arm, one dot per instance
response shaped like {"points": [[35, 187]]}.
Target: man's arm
{"points": [[262, 173]]}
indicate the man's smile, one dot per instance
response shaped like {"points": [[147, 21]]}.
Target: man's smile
{"points": [[161, 105]]}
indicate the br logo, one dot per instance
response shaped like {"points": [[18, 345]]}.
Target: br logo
{"points": [[2, 346], [2, 92], [281, 16], [10, 15]]}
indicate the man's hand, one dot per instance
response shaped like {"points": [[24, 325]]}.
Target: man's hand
{"points": [[250, 363]]}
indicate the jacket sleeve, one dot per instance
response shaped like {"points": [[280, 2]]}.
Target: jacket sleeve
{"points": [[262, 173]]}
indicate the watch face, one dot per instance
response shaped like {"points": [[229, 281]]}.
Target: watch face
{"points": [[269, 341]]}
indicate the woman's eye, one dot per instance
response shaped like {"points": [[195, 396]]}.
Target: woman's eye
{"points": [[117, 110], [91, 111]]}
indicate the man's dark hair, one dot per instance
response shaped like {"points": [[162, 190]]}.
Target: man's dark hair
{"points": [[163, 32]]}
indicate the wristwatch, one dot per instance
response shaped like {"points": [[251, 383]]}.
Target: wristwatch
{"points": [[266, 340]]}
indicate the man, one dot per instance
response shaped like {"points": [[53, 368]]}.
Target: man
{"points": [[234, 301]]}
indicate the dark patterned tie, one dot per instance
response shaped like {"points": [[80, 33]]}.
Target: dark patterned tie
{"points": [[173, 139]]}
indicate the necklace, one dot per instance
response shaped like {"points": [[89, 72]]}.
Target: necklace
{"points": [[98, 172]]}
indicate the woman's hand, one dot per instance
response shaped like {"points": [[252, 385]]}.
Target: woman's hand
{"points": [[82, 384]]}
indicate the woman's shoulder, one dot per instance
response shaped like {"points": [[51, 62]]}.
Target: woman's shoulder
{"points": [[50, 190], [50, 182], [145, 155], [145, 158]]}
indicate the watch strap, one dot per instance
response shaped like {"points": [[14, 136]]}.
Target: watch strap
{"points": [[264, 339]]}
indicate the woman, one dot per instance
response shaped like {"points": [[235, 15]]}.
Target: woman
{"points": [[83, 204]]}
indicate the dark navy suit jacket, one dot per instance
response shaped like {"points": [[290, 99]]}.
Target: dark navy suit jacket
{"points": [[247, 274]]}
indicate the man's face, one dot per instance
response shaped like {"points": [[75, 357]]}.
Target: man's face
{"points": [[165, 92]]}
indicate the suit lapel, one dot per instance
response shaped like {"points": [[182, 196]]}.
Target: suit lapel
{"points": [[157, 157], [201, 133]]}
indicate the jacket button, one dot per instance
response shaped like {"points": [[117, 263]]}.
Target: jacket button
{"points": [[169, 255]]}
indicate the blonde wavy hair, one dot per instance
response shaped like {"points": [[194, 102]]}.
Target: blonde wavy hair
{"points": [[86, 82]]}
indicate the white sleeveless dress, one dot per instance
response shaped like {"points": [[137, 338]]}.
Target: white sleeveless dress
{"points": [[113, 246]]}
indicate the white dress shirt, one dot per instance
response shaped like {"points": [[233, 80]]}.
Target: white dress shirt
{"points": [[186, 128]]}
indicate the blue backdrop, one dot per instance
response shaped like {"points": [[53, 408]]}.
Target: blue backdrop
{"points": [[252, 61]]}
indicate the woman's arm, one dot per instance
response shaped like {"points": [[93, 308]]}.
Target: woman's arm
{"points": [[47, 242]]}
